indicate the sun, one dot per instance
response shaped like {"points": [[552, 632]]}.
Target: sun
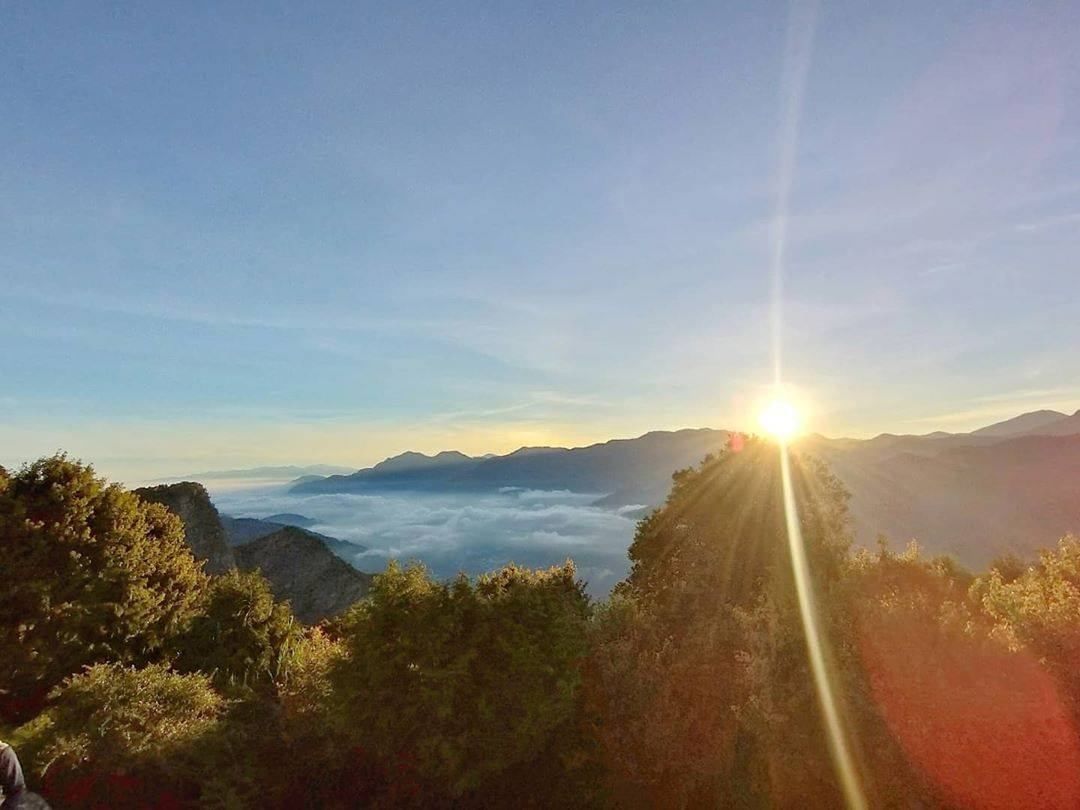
{"points": [[780, 419]]}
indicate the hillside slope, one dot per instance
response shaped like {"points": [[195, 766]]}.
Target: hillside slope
{"points": [[974, 501], [241, 531], [301, 569]]}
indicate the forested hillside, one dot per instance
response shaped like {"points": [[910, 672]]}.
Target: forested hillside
{"points": [[130, 677]]}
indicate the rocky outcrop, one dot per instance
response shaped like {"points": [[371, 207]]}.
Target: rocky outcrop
{"points": [[301, 569], [202, 526]]}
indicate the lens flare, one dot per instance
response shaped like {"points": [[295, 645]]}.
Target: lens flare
{"points": [[780, 419], [842, 756]]}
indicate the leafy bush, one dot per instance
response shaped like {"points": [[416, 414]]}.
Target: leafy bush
{"points": [[457, 684], [134, 734], [964, 718], [1039, 606], [240, 636], [663, 705], [690, 687], [305, 689], [91, 574]]}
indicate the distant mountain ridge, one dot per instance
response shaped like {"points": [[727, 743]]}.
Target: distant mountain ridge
{"points": [[1028, 424], [623, 471], [418, 461], [1011, 486], [1068, 426], [292, 519]]}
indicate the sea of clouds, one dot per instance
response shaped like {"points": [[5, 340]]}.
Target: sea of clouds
{"points": [[451, 533]]}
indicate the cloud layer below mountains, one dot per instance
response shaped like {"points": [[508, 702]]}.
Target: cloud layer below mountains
{"points": [[452, 533]]}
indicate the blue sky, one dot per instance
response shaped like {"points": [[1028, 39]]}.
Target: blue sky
{"points": [[238, 233]]}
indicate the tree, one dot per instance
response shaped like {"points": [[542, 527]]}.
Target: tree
{"points": [[314, 744], [119, 736], [241, 636], [1038, 608], [462, 685], [721, 536], [953, 712], [91, 574], [705, 660], [662, 706]]}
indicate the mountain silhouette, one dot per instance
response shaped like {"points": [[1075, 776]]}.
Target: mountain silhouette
{"points": [[1013, 486]]}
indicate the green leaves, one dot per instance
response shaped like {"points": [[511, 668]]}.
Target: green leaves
{"points": [[721, 537], [699, 660], [92, 574], [467, 680], [241, 636]]}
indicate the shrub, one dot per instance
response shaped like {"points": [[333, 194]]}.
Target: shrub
{"points": [[459, 684], [132, 734], [91, 574], [241, 636]]}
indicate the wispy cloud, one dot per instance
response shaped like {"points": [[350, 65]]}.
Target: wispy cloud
{"points": [[1049, 222], [1062, 393], [175, 309], [947, 267]]}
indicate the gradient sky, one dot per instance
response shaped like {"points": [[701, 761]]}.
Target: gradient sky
{"points": [[238, 234]]}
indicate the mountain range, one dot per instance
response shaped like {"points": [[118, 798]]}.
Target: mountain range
{"points": [[313, 572], [619, 472], [1010, 487]]}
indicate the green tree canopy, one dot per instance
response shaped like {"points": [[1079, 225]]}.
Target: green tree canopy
{"points": [[240, 636], [721, 536], [1038, 608], [467, 682], [121, 736], [702, 654], [91, 574]]}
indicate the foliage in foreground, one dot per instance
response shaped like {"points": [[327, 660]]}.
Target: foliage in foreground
{"points": [[689, 687], [91, 574], [146, 726], [475, 684], [240, 636]]}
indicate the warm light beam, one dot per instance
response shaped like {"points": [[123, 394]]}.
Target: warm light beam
{"points": [[838, 745], [781, 419], [802, 16]]}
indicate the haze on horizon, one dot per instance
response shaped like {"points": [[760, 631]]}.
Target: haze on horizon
{"points": [[243, 236]]}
